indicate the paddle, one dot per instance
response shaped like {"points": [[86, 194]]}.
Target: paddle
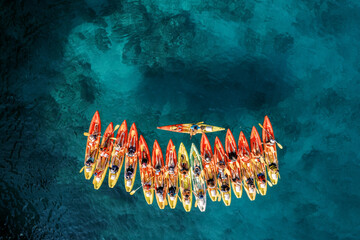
{"points": [[269, 182], [82, 169], [179, 198], [134, 191], [196, 204], [279, 145]]}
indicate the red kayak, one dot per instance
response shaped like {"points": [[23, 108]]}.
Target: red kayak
{"points": [[171, 169], [222, 172], [247, 167], [270, 150], [131, 158], [257, 156], [92, 145], [158, 165], [234, 166], [146, 170], [209, 167], [102, 162]]}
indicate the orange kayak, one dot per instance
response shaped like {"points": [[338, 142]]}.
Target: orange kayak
{"points": [[160, 185], [102, 162], [172, 177], [146, 170], [118, 155], [257, 156], [247, 167], [209, 167], [191, 127], [222, 172], [270, 151], [92, 145], [234, 165], [131, 158]]}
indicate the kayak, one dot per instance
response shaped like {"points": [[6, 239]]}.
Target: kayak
{"points": [[270, 150], [222, 172], [233, 163], [158, 165], [102, 162], [247, 167], [209, 166], [118, 154], [185, 178], [146, 171], [92, 145], [191, 127], [257, 153], [171, 168], [131, 158], [197, 178]]}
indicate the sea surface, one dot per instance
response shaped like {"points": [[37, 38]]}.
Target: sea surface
{"points": [[228, 63]]}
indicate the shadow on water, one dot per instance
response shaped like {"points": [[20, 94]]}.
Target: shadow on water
{"points": [[226, 86]]}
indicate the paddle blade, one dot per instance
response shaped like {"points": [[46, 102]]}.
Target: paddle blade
{"points": [[82, 169], [132, 192], [112, 138], [166, 202], [270, 184], [116, 127], [261, 125], [199, 123], [86, 134], [196, 203], [237, 164], [279, 145], [257, 191]]}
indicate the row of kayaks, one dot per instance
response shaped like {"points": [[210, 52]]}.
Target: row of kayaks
{"points": [[179, 176]]}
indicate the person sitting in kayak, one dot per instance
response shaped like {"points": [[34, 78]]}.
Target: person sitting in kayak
{"points": [[186, 194], [273, 167], [147, 186], [233, 156], [184, 167], [144, 160], [207, 158], [250, 183], [261, 177], [171, 170], [197, 171], [159, 192], [224, 187], [114, 169], [200, 194], [89, 162], [172, 191], [194, 130], [129, 172]]}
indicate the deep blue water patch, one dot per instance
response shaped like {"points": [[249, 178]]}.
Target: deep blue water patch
{"points": [[228, 63]]}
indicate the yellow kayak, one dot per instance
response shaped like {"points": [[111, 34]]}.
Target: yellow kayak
{"points": [[185, 178], [102, 163], [223, 172], [118, 154], [131, 158]]}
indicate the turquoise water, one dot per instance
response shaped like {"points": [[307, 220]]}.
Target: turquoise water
{"points": [[154, 63]]}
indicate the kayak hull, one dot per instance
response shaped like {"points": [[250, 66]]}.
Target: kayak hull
{"points": [[146, 172], [186, 128], [118, 155], [185, 181], [157, 159], [209, 167], [259, 164], [172, 179], [131, 160], [234, 166], [102, 163], [197, 181], [219, 154], [89, 171], [246, 165], [270, 150]]}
